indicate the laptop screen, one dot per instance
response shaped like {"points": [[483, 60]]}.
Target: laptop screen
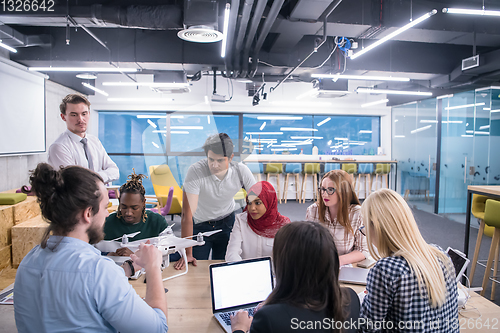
{"points": [[240, 283]]}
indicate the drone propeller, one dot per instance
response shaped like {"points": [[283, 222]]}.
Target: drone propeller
{"points": [[205, 234], [128, 235]]}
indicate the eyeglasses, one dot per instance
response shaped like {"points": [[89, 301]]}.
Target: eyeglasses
{"points": [[362, 231], [329, 190]]}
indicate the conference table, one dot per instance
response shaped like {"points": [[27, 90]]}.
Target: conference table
{"points": [[190, 307], [490, 191]]}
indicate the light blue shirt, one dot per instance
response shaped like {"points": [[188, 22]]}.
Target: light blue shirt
{"points": [[74, 288]]}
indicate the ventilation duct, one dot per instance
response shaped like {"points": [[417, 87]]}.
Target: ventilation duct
{"points": [[201, 22], [171, 82]]}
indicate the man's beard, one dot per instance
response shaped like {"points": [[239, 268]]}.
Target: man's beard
{"points": [[95, 233]]}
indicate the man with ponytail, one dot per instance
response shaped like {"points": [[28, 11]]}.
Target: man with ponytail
{"points": [[132, 216], [64, 284]]}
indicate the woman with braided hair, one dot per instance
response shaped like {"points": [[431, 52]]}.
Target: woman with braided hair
{"points": [[132, 216]]}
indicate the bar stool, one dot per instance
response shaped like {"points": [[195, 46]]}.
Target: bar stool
{"points": [[365, 170], [275, 169], [350, 168], [292, 169], [310, 169], [383, 170], [478, 208], [257, 169], [331, 166], [492, 218]]}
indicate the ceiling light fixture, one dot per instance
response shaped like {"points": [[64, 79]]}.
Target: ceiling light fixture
{"points": [[283, 149], [7, 47], [262, 126], [382, 101], [152, 124], [484, 127], [186, 127], [86, 76], [179, 132], [471, 11], [143, 116], [395, 33], [227, 10], [467, 136], [298, 129], [420, 129], [148, 84], [341, 139], [278, 118], [393, 92], [365, 132], [84, 69], [306, 137], [336, 77], [139, 99], [324, 121], [102, 92], [428, 121], [399, 136], [262, 133], [444, 96], [463, 106]]}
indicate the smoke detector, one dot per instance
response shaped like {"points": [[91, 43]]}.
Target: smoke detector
{"points": [[200, 34]]}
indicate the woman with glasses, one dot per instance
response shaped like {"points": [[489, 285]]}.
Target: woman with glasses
{"points": [[254, 229], [412, 283], [338, 208]]}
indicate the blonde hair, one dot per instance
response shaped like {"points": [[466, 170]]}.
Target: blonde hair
{"points": [[347, 197], [391, 227]]}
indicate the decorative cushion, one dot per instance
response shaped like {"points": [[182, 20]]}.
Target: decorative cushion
{"points": [[11, 198]]}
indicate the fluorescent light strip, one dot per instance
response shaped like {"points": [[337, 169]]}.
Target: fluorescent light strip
{"points": [[143, 100], [336, 77], [333, 92], [428, 121], [306, 137], [477, 132], [262, 126], [395, 33], [155, 144], [102, 92], [84, 69], [444, 96], [486, 109], [324, 121], [283, 149], [453, 122], [399, 136], [393, 92], [147, 84], [484, 127], [159, 131], [463, 106], [179, 132], [420, 129], [298, 104], [382, 101], [264, 133], [186, 127], [227, 11], [208, 120], [142, 116], [152, 124], [279, 118], [343, 139], [365, 132], [465, 11], [7, 47], [467, 136], [493, 111], [206, 100], [298, 129]]}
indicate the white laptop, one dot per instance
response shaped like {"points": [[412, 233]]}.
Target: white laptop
{"points": [[353, 275], [239, 285]]}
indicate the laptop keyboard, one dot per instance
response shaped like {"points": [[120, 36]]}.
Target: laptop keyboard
{"points": [[226, 316]]}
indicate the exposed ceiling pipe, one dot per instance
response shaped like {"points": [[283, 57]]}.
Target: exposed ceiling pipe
{"points": [[245, 15], [257, 16], [230, 38], [271, 18], [321, 42]]}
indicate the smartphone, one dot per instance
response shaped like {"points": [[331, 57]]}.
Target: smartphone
{"points": [[367, 263]]}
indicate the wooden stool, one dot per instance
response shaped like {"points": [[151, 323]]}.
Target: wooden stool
{"points": [[351, 168], [275, 169], [383, 170], [257, 169], [491, 218], [295, 169], [310, 169], [365, 170]]}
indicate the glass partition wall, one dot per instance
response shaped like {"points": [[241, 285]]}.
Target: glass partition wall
{"points": [[465, 139]]}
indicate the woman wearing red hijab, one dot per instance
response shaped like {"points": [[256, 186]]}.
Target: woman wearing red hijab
{"points": [[254, 229]]}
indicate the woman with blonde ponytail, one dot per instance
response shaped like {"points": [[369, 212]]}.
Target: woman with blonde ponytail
{"points": [[412, 287]]}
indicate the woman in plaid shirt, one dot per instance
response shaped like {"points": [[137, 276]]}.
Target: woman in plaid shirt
{"points": [[412, 287], [339, 210]]}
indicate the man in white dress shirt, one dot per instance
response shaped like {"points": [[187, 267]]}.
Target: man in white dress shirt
{"points": [[75, 146]]}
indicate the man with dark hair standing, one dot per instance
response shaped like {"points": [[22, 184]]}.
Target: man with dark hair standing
{"points": [[64, 284], [208, 202], [75, 146]]}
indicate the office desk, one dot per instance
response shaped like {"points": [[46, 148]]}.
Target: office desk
{"points": [[190, 307], [490, 191]]}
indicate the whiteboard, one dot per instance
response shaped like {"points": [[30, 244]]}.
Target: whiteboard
{"points": [[22, 111]]}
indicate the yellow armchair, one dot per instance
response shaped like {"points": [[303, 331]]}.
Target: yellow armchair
{"points": [[162, 180]]}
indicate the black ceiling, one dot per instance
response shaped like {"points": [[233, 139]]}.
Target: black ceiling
{"points": [[265, 36]]}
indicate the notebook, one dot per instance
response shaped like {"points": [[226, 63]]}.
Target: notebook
{"points": [[353, 275], [239, 285]]}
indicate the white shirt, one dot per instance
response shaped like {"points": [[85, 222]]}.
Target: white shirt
{"points": [[244, 243], [215, 196], [68, 150]]}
